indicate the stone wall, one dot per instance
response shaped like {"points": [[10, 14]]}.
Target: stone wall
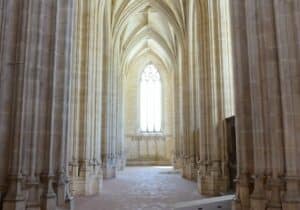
{"points": [[149, 149]]}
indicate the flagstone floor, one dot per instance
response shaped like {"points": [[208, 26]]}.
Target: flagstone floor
{"points": [[141, 188]]}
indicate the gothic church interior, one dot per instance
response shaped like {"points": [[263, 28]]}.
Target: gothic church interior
{"points": [[90, 88]]}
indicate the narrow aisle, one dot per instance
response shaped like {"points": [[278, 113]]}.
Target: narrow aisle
{"points": [[136, 188]]}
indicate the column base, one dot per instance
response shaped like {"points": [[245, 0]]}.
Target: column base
{"points": [[61, 192], [291, 206], [14, 205], [189, 170], [177, 163], [291, 200], [121, 164], [14, 199], [274, 208], [258, 197], [211, 185], [86, 180], [89, 185], [48, 197], [237, 205], [258, 204], [109, 172], [64, 197], [274, 187], [68, 205], [243, 190], [48, 202], [34, 198]]}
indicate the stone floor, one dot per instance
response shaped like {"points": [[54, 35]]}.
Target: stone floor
{"points": [[141, 188]]}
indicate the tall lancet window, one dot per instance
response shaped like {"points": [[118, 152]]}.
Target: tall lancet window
{"points": [[151, 102]]}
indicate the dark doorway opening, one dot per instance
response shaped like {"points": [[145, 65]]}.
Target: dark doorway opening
{"points": [[232, 157]]}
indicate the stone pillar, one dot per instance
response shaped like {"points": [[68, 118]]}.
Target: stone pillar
{"points": [[258, 196], [189, 162], [265, 34], [33, 64], [276, 188], [204, 140], [242, 200], [14, 36], [243, 105], [288, 36], [113, 136], [86, 96], [48, 197], [14, 199], [215, 80], [178, 158]]}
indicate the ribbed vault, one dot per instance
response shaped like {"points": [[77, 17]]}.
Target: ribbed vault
{"points": [[150, 29]]}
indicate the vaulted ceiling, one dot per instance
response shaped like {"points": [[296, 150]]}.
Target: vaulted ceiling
{"points": [[152, 29]]}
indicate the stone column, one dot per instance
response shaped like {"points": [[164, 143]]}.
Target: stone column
{"points": [[86, 94], [258, 197], [203, 41], [65, 16], [5, 91], [178, 159], [287, 20], [213, 163], [33, 65], [55, 74], [13, 67], [33, 179], [189, 164], [121, 163], [265, 37], [109, 159], [243, 105]]}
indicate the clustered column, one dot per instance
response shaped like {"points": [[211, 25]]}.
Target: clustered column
{"points": [[35, 42], [86, 98], [266, 51], [207, 98]]}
